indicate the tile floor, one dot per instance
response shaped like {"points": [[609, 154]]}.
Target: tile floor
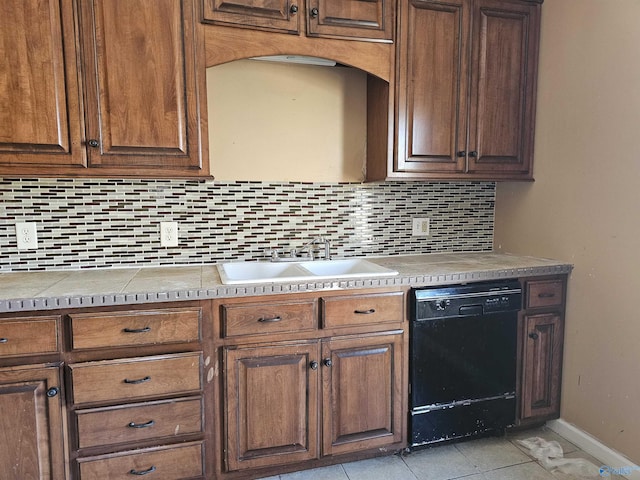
{"points": [[483, 459]]}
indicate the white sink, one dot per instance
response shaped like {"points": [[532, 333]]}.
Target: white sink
{"points": [[263, 272]]}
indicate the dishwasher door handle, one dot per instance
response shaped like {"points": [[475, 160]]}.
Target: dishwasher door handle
{"points": [[467, 310]]}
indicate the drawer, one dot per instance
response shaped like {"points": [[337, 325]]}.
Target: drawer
{"points": [[28, 336], [350, 310], [130, 423], [129, 328], [267, 317], [166, 463], [545, 293], [133, 378]]}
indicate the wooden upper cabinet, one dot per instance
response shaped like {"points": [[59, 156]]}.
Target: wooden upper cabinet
{"points": [[40, 109], [372, 19], [503, 81], [466, 89], [275, 15], [141, 88], [349, 19], [31, 426]]}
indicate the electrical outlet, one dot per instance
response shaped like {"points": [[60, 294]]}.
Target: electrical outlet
{"points": [[169, 234], [27, 235], [420, 227]]}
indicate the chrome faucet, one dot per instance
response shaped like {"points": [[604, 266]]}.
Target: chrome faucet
{"points": [[304, 252]]}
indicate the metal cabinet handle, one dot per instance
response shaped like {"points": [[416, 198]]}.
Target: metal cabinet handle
{"points": [[138, 381], [269, 319], [150, 423], [461, 154], [4, 340], [313, 365], [136, 330], [152, 468], [293, 9], [327, 362], [473, 154], [52, 392], [365, 312], [546, 295], [314, 12], [93, 143], [533, 335]]}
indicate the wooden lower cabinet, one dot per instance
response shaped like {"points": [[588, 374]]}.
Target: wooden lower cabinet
{"points": [[274, 403], [31, 423], [361, 393]]}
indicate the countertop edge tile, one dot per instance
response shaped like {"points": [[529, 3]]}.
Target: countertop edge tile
{"points": [[414, 271]]}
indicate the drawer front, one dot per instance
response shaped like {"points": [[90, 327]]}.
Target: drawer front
{"points": [[28, 336], [135, 378], [267, 317], [130, 423], [173, 463], [353, 310], [147, 327], [544, 293]]}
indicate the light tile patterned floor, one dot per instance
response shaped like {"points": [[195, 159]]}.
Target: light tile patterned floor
{"points": [[482, 459]]}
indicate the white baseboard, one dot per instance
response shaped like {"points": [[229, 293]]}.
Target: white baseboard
{"points": [[595, 448]]}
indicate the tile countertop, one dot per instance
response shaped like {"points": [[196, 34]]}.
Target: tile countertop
{"points": [[25, 291]]}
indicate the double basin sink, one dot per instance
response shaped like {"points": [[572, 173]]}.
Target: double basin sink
{"points": [[263, 272]]}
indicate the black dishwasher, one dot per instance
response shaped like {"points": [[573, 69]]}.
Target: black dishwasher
{"points": [[463, 360]]}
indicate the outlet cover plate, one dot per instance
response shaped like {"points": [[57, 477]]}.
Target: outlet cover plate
{"points": [[169, 234], [27, 236], [420, 227]]}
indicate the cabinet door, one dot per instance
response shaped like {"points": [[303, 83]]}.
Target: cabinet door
{"points": [[274, 15], [360, 19], [361, 393], [272, 405], [542, 365], [31, 427], [142, 94], [432, 87], [40, 109], [503, 85]]}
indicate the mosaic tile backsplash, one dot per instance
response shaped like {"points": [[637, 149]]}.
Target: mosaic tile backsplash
{"points": [[116, 223]]}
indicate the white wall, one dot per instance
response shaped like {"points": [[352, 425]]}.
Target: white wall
{"points": [[584, 206]]}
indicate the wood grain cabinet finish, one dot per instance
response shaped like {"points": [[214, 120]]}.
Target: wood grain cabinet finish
{"points": [[178, 462], [31, 423], [41, 118], [135, 327], [368, 309], [271, 398], [134, 378], [362, 393], [241, 319], [29, 336], [140, 111], [541, 344], [349, 19], [466, 89]]}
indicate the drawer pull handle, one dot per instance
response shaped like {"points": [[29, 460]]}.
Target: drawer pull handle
{"points": [[365, 312], [269, 319], [152, 468], [4, 340], [546, 295], [150, 423], [137, 330], [138, 381]]}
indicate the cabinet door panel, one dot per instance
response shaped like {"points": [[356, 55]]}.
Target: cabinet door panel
{"points": [[276, 15], [504, 66], [542, 365], [372, 19], [40, 109], [432, 104], [361, 393], [31, 436], [141, 90], [272, 412]]}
